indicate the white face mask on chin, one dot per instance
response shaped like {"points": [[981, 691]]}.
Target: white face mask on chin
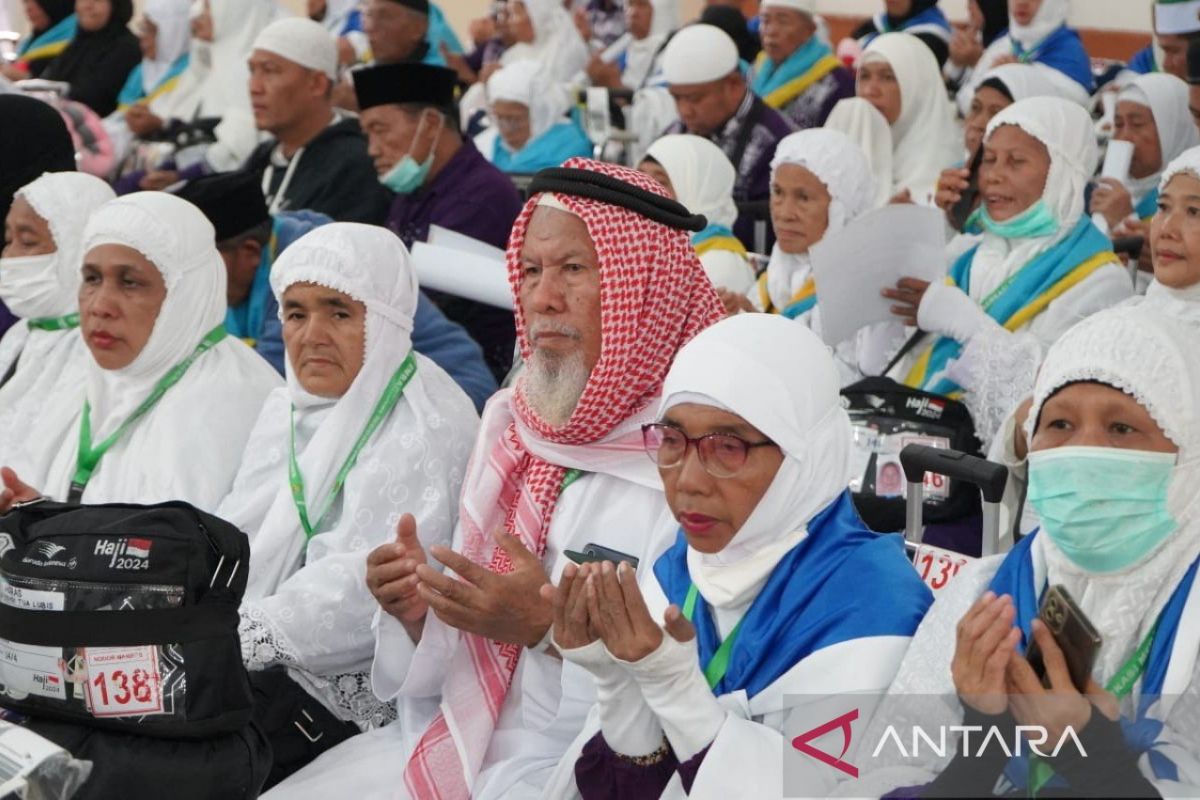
{"points": [[30, 286]]}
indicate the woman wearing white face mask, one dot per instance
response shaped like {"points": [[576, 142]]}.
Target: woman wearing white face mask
{"points": [[168, 399], [1040, 267], [1113, 476], [39, 281]]}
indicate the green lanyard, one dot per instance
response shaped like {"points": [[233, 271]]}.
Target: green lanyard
{"points": [[89, 456], [1120, 685], [718, 665], [570, 477], [54, 323], [387, 401]]}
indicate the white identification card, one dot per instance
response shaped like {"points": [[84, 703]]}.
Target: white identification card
{"points": [[937, 567], [123, 681], [937, 487], [30, 669], [30, 599]]}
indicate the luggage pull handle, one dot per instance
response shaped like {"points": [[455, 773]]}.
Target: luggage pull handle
{"points": [[990, 477]]}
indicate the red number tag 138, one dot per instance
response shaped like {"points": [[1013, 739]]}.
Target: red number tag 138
{"points": [[123, 681]]}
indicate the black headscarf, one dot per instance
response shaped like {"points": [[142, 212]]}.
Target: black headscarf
{"points": [[97, 63], [56, 10], [918, 7], [995, 19], [33, 140], [733, 23]]}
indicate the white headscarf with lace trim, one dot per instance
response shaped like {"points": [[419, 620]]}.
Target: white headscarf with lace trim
{"points": [[187, 447], [840, 164], [307, 604], [1065, 130], [1153, 359]]}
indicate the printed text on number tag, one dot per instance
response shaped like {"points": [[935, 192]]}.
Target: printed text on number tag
{"points": [[123, 681], [937, 567]]}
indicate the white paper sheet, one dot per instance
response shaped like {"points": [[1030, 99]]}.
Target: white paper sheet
{"points": [[465, 274], [444, 237], [852, 266]]}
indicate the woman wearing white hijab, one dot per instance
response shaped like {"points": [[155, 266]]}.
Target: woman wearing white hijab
{"points": [[758, 589], [43, 354], [1175, 241], [1152, 114], [900, 77], [640, 61], [1038, 35], [1113, 474], [530, 129], [546, 34], [1040, 267], [698, 174], [307, 606], [168, 398], [998, 90]]}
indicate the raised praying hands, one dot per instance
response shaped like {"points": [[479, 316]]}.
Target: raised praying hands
{"points": [[392, 579], [986, 641], [504, 608]]}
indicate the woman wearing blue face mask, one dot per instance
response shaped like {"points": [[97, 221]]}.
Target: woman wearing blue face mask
{"points": [[1113, 475], [1040, 265]]}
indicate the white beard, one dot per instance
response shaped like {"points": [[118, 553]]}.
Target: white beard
{"points": [[553, 385]]}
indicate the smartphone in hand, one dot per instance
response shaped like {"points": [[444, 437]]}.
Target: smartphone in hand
{"points": [[1074, 634]]}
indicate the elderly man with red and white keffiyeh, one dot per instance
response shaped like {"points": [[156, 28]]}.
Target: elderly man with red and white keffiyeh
{"points": [[607, 289]]}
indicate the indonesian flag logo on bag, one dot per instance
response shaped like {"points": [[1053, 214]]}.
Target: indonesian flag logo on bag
{"points": [[138, 548]]}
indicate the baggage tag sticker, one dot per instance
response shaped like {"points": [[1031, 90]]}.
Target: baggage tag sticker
{"points": [[123, 681], [937, 567], [30, 669], [937, 487]]}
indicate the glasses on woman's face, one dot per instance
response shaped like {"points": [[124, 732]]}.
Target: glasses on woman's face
{"points": [[721, 454]]}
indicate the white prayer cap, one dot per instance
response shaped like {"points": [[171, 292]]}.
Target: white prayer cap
{"points": [[804, 6], [303, 41], [699, 54]]}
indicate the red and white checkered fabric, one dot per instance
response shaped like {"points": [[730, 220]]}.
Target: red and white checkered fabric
{"points": [[654, 297]]}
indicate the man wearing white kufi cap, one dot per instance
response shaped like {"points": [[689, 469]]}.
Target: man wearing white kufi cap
{"points": [[704, 77], [318, 158], [797, 73]]}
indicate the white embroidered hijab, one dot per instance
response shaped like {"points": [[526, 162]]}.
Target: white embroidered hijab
{"points": [[45, 359], [840, 164], [187, 446], [1065, 129], [1153, 359], [926, 139], [780, 378], [413, 462]]}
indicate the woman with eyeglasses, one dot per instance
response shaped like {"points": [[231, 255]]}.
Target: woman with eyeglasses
{"points": [[772, 588], [531, 128]]}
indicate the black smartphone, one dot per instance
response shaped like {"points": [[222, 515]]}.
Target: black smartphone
{"points": [[962, 210], [595, 552], [1074, 634]]}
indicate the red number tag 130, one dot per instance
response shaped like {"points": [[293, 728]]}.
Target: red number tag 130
{"points": [[937, 567], [123, 681]]}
